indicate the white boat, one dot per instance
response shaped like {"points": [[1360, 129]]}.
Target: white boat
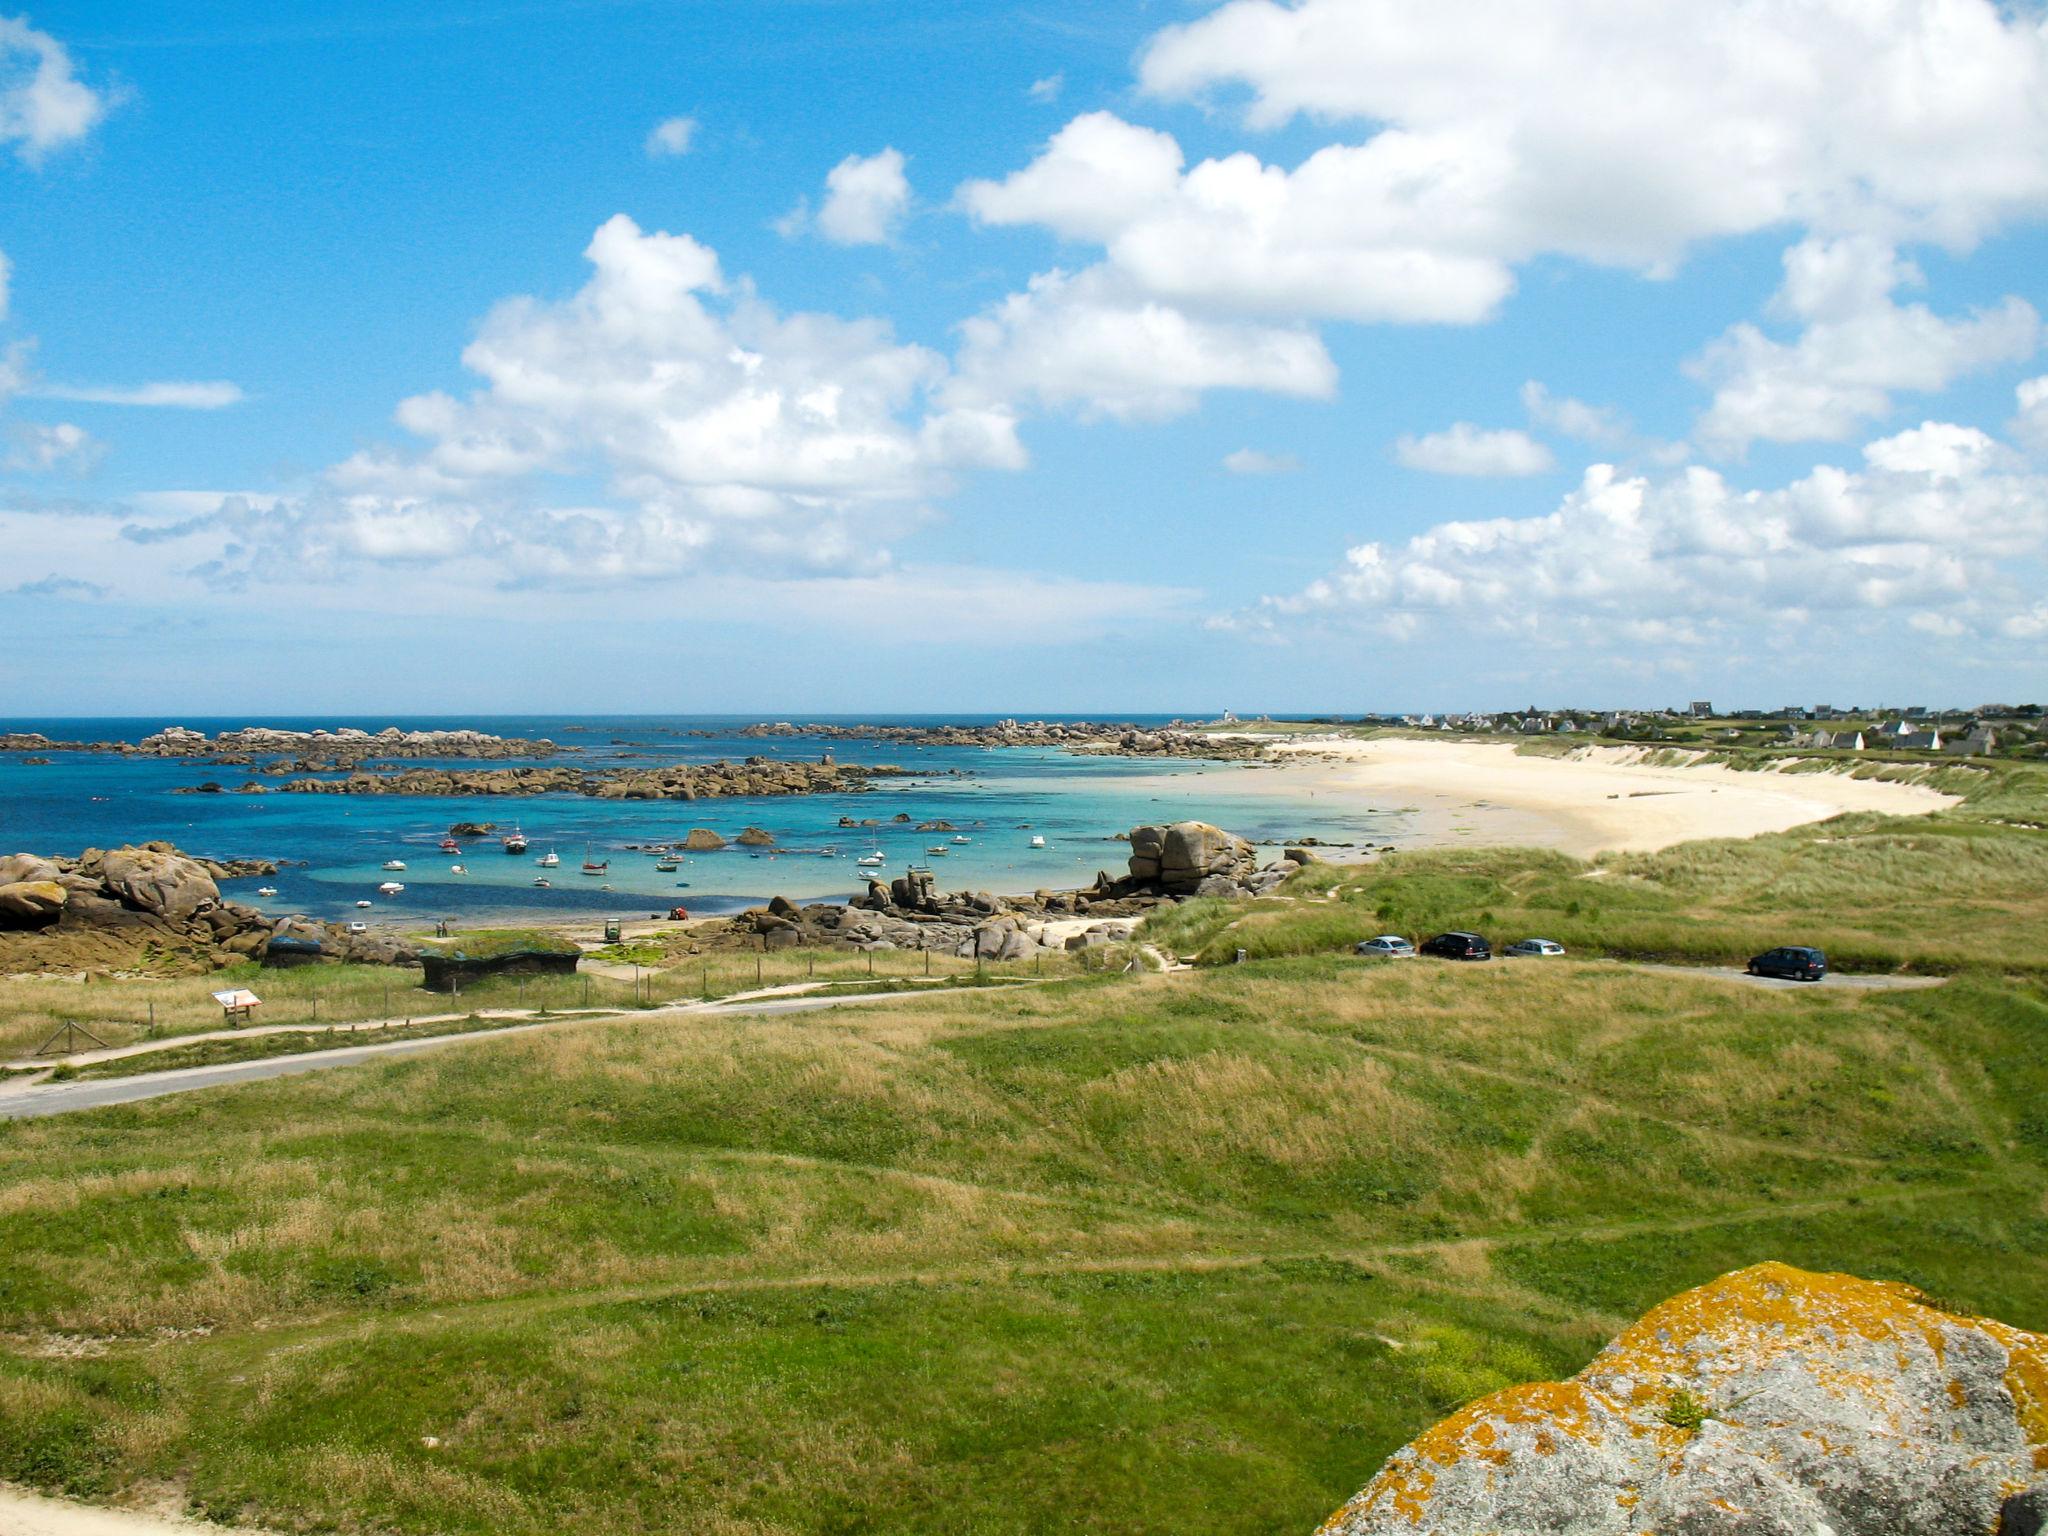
{"points": [[362, 903], [266, 890], [389, 888], [394, 863], [514, 841], [542, 882], [872, 861], [937, 850], [959, 840], [457, 869], [549, 860], [1038, 842]]}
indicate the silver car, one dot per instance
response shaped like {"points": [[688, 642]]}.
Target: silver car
{"points": [[1388, 946], [1539, 948]]}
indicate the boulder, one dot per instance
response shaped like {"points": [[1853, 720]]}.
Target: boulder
{"points": [[782, 906], [1301, 855], [31, 903], [159, 879], [755, 837], [703, 840], [1771, 1402], [17, 867], [1193, 850], [1219, 885]]}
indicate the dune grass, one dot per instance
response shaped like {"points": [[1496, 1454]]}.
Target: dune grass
{"points": [[1127, 1253]]}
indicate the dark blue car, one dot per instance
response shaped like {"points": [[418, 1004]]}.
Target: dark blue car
{"points": [[1792, 962]]}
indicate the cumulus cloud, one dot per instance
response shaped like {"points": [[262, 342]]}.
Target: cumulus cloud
{"points": [[1464, 449], [671, 137], [43, 104], [865, 199], [1858, 346], [173, 394], [1562, 414], [1626, 130], [1048, 88], [728, 435], [40, 448], [1251, 461], [1078, 340], [1941, 520]]}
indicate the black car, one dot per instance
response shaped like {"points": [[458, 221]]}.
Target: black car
{"points": [[1458, 945], [1793, 962]]}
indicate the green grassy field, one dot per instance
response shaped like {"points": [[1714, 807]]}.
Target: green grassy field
{"points": [[1123, 1253]]}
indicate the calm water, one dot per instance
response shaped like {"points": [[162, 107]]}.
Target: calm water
{"points": [[339, 843]]}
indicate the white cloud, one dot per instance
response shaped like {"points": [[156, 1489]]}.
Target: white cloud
{"points": [[1464, 449], [1047, 89], [1251, 461], [43, 103], [2030, 427], [1600, 424], [1369, 232], [1941, 521], [40, 448], [1626, 130], [865, 199], [671, 137], [1078, 341], [1857, 347], [728, 434], [184, 395]]}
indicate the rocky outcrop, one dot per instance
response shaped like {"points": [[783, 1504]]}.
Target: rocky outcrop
{"points": [[755, 837], [697, 781], [703, 840], [1772, 1402], [1193, 858], [313, 751], [147, 908], [1122, 740]]}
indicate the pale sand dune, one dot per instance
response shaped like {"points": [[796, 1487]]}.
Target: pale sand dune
{"points": [[1598, 800]]}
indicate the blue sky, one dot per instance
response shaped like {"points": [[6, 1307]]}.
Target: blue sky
{"points": [[1334, 355]]}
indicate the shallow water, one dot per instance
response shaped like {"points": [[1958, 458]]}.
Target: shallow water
{"points": [[339, 843]]}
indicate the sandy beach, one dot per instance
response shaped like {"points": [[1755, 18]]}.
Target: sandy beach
{"points": [[1597, 800]]}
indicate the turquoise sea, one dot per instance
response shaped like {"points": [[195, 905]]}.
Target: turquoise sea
{"points": [[337, 844]]}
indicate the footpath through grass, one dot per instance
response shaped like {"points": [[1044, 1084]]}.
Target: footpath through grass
{"points": [[1124, 1254]]}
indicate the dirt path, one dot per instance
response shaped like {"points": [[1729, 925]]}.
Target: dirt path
{"points": [[30, 1514]]}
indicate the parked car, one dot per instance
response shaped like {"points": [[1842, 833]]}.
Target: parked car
{"points": [[1388, 946], [1793, 962], [1458, 945], [1543, 948]]}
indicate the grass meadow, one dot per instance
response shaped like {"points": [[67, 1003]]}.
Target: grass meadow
{"points": [[1120, 1253]]}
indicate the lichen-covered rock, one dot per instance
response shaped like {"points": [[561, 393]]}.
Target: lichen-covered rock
{"points": [[159, 879], [1772, 1402], [31, 903]]}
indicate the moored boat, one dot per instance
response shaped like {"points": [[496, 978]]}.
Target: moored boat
{"points": [[549, 860], [394, 863], [390, 888], [515, 841], [266, 890]]}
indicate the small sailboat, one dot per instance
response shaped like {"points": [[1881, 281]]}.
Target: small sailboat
{"points": [[549, 860], [937, 850], [872, 861], [515, 841], [594, 866], [266, 890], [394, 863]]}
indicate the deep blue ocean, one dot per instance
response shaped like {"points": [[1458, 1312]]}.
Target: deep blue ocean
{"points": [[337, 845]]}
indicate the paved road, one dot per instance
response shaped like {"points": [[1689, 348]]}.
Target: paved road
{"points": [[26, 1103], [1834, 981]]}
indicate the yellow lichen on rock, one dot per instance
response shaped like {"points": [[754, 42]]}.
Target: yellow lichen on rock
{"points": [[1812, 1397]]}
